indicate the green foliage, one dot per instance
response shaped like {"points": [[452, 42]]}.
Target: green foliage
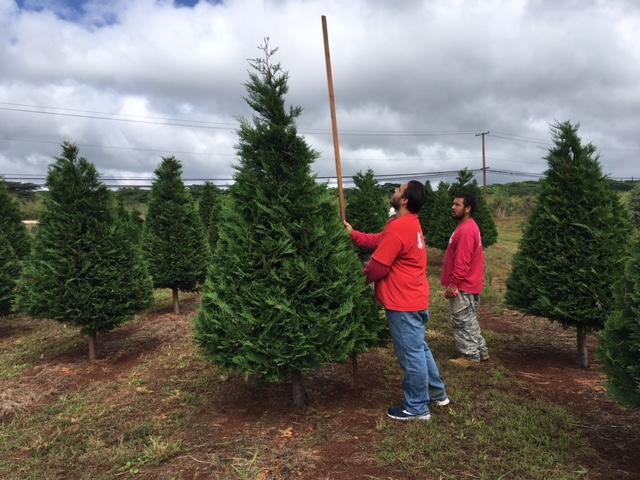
{"points": [[83, 269], [619, 345], [9, 272], [367, 206], [573, 244], [440, 224], [519, 189], [173, 241], [11, 225], [130, 221], [425, 211], [209, 210], [285, 293], [634, 205]]}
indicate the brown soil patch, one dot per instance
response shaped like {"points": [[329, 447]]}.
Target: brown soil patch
{"points": [[542, 354]]}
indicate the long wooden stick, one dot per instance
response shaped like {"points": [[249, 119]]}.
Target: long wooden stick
{"points": [[334, 121], [336, 151]]}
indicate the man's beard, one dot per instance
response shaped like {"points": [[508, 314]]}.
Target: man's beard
{"points": [[395, 202]]}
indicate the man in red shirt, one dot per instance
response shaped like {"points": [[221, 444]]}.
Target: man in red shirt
{"points": [[398, 266], [463, 279]]}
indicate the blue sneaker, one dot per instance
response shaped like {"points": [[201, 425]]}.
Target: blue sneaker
{"points": [[401, 414]]}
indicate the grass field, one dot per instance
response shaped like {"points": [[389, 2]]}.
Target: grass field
{"points": [[152, 408]]}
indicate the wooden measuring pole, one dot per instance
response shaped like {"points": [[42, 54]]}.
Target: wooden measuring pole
{"points": [[336, 151], [334, 121]]}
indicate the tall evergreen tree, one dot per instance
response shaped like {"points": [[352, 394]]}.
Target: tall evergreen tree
{"points": [[209, 210], [9, 272], [367, 208], [619, 345], [173, 240], [83, 269], [11, 225], [285, 293], [572, 248]]}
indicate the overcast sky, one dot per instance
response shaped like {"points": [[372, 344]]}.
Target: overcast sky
{"points": [[131, 81]]}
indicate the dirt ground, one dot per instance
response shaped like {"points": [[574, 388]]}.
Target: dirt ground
{"points": [[335, 436]]}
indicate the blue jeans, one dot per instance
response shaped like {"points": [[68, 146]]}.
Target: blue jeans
{"points": [[422, 381]]}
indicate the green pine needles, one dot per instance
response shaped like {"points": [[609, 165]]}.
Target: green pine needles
{"points": [[209, 210], [367, 207], [619, 345], [572, 249], [83, 269], [173, 240], [285, 293], [15, 244]]}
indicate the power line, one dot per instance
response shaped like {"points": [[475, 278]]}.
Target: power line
{"points": [[219, 125]]}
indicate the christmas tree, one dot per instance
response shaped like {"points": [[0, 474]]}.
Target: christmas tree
{"points": [[9, 272], [11, 225], [634, 205], [619, 346], [209, 210], [83, 269], [285, 293], [441, 224], [173, 240], [367, 207], [572, 249], [425, 211]]}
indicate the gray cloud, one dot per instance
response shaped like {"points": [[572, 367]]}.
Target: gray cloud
{"points": [[441, 66]]}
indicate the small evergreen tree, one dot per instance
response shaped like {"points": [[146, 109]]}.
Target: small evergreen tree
{"points": [[209, 210], [367, 208], [130, 223], [83, 269], [173, 240], [441, 225], [572, 248], [11, 225], [634, 205], [285, 293], [619, 345], [9, 272]]}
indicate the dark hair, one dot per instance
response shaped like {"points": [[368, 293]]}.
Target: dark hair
{"points": [[468, 199], [415, 195]]}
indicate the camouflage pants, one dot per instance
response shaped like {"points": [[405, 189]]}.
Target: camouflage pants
{"points": [[465, 309]]}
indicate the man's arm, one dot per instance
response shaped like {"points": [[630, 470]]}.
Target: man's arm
{"points": [[376, 271], [369, 241]]}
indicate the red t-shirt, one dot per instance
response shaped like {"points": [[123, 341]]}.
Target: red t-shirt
{"points": [[402, 248], [464, 260]]}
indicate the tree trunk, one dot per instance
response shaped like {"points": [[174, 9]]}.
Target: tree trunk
{"points": [[176, 305], [583, 354], [92, 347], [297, 389]]}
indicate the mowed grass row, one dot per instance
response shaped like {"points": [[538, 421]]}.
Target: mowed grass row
{"points": [[163, 412]]}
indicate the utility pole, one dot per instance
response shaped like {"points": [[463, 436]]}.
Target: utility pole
{"points": [[484, 160]]}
